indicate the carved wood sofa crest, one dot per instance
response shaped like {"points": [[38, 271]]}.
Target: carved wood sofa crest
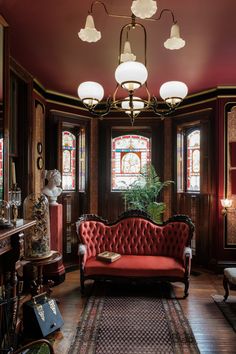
{"points": [[148, 250]]}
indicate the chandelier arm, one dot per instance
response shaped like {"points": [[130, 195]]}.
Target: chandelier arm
{"points": [[160, 113], [161, 13], [127, 26], [105, 8], [101, 112], [133, 25], [148, 94], [145, 41], [114, 94]]}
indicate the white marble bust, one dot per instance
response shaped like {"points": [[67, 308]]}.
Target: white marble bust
{"points": [[52, 189]]}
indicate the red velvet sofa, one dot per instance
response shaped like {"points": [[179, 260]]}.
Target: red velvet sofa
{"points": [[148, 250]]}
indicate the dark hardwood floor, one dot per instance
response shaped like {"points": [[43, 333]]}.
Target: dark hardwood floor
{"points": [[212, 331]]}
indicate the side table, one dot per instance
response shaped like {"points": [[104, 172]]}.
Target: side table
{"points": [[38, 266]]}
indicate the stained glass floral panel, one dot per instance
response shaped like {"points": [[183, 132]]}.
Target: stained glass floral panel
{"points": [[130, 153], [193, 161], [68, 161], [82, 160]]}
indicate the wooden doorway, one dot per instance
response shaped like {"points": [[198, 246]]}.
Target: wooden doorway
{"points": [[194, 184], [70, 134]]}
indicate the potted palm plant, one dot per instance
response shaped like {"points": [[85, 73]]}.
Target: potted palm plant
{"points": [[144, 192]]}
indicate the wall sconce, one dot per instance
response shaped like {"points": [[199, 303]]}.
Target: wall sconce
{"points": [[226, 203]]}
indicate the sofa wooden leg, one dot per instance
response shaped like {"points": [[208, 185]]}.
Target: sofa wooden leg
{"points": [[186, 288], [226, 287], [82, 289]]}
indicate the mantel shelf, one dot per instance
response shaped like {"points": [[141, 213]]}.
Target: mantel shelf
{"points": [[16, 229], [7, 234]]}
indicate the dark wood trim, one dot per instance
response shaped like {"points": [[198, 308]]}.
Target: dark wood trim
{"points": [[25, 114], [6, 99]]}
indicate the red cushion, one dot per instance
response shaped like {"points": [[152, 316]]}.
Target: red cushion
{"points": [[135, 236], [140, 266]]}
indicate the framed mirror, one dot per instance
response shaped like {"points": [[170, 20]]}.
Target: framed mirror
{"points": [[4, 108]]}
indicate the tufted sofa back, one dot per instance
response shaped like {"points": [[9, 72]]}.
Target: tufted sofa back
{"points": [[135, 236]]}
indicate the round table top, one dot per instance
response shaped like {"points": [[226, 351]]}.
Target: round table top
{"points": [[53, 257]]}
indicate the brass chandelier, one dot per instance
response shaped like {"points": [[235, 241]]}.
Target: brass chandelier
{"points": [[130, 74]]}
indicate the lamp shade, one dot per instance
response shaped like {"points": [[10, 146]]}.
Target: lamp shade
{"points": [[137, 105], [174, 42], [127, 55], [173, 92], [90, 92], [89, 33], [144, 8], [226, 203], [131, 75]]}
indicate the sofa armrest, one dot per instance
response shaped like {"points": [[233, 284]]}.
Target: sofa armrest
{"points": [[188, 252], [187, 260], [82, 252], [82, 249]]}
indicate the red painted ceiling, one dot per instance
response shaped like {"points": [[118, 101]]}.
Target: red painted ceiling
{"points": [[44, 40]]}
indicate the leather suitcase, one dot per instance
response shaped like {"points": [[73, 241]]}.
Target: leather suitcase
{"points": [[41, 316]]}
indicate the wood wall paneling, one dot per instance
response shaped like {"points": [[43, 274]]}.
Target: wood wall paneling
{"points": [[21, 127], [38, 147]]}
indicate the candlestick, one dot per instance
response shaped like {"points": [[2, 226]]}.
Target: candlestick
{"points": [[13, 171]]}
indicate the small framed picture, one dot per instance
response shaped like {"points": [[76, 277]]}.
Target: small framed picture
{"points": [[39, 148], [40, 163]]}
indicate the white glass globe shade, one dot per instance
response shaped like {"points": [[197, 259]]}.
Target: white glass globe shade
{"points": [[131, 75], [173, 92], [137, 103], [90, 92]]}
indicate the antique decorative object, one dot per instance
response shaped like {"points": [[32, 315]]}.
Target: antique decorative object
{"points": [[15, 202], [52, 189], [41, 316], [37, 239], [5, 214], [226, 204]]}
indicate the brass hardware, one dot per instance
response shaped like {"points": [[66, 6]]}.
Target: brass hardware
{"points": [[40, 311], [52, 306]]}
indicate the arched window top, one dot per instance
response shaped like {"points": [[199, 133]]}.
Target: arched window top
{"points": [[68, 140], [131, 142], [193, 138], [130, 153]]}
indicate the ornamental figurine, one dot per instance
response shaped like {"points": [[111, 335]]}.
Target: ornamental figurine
{"points": [[52, 189]]}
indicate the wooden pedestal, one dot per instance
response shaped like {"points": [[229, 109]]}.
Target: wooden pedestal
{"points": [[56, 271]]}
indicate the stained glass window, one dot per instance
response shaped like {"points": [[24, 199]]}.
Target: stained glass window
{"points": [[68, 161], [130, 153], [82, 160], [193, 161]]}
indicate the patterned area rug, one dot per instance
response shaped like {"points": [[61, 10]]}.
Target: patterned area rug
{"points": [[133, 321], [228, 308]]}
